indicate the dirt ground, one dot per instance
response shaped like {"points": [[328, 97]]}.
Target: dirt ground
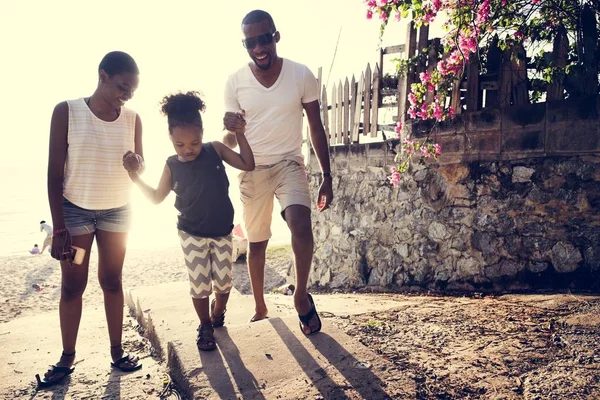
{"points": [[485, 347]]}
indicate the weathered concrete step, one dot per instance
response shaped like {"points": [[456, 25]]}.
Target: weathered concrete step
{"points": [[269, 359]]}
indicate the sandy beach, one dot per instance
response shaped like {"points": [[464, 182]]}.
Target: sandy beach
{"points": [[19, 297]]}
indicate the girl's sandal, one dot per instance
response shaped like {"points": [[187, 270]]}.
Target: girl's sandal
{"points": [[206, 338]]}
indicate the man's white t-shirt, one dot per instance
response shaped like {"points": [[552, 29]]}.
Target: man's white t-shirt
{"points": [[273, 115]]}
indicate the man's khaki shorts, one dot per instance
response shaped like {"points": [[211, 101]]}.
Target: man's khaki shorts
{"points": [[285, 180]]}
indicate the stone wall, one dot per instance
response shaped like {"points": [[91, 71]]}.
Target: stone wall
{"points": [[513, 204]]}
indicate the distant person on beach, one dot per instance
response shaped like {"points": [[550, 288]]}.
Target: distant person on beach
{"points": [[35, 250], [48, 240], [88, 191], [197, 176], [274, 93]]}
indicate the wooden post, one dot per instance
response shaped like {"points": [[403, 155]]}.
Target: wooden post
{"points": [[455, 96], [432, 60], [333, 130], [357, 109], [422, 44], [406, 78], [325, 113], [473, 83], [340, 114], [375, 105], [367, 94], [560, 52], [494, 68], [346, 105], [505, 79], [589, 32], [519, 76], [353, 91]]}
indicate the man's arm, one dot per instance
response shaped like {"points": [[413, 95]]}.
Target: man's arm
{"points": [[320, 143]]}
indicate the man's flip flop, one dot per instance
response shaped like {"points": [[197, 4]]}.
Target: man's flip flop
{"points": [[305, 319], [253, 319], [66, 371], [126, 359]]}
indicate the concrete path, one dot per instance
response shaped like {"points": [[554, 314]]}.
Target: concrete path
{"points": [[269, 359]]}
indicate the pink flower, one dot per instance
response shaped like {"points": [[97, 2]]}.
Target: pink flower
{"points": [[519, 35], [412, 99], [383, 16], [394, 178], [437, 111], [369, 14], [425, 77], [398, 17], [371, 3], [451, 112], [430, 87], [412, 112], [425, 152], [437, 4], [398, 129], [438, 150], [483, 13]]}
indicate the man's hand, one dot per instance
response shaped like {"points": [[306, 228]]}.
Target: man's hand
{"points": [[325, 194], [131, 161], [234, 122]]}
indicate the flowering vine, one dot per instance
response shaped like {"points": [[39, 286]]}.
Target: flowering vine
{"points": [[470, 26]]}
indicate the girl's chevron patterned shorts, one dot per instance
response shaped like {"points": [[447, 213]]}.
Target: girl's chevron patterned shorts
{"points": [[208, 263]]}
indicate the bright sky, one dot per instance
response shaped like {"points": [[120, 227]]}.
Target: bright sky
{"points": [[51, 50]]}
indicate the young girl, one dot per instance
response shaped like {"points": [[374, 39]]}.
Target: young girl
{"points": [[197, 176], [88, 193]]}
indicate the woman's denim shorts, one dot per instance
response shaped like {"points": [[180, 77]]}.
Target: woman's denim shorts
{"points": [[80, 221]]}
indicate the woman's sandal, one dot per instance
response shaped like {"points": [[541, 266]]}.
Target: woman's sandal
{"points": [[219, 321], [305, 319], [126, 359], [55, 370], [206, 338]]}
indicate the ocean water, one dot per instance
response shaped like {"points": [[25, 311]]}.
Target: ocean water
{"points": [[24, 203]]}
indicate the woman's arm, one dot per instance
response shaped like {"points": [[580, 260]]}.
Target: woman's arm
{"points": [[244, 160], [59, 127], [156, 196]]}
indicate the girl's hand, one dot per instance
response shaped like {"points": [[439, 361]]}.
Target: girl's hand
{"points": [[235, 122], [131, 161]]}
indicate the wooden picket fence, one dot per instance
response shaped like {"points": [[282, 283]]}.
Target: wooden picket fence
{"points": [[351, 108]]}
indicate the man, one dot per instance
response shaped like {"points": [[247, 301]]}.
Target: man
{"points": [[48, 241], [266, 98]]}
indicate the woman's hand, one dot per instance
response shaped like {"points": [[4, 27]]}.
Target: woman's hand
{"points": [[61, 247]]}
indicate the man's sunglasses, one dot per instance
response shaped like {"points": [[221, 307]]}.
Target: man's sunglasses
{"points": [[263, 40]]}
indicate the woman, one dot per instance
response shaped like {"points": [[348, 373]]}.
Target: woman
{"points": [[88, 191]]}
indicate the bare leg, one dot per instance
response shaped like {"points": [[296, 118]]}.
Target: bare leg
{"points": [[256, 269], [202, 310], [298, 220], [111, 255], [73, 283], [220, 303]]}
